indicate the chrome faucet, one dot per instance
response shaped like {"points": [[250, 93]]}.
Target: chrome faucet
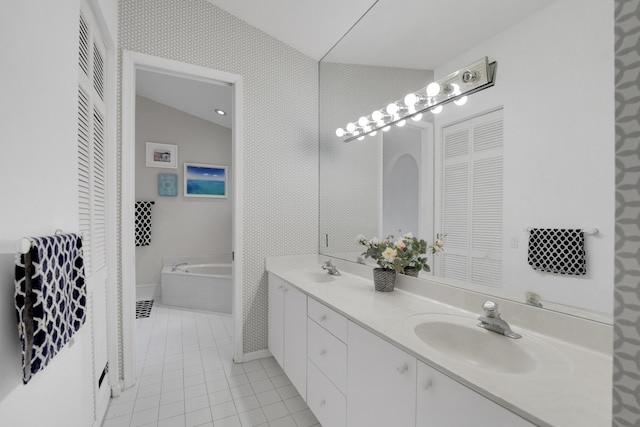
{"points": [[492, 321], [330, 268], [175, 266]]}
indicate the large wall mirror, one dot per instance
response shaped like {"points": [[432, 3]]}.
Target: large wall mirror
{"points": [[553, 97]]}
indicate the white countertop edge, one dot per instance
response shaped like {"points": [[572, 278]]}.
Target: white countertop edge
{"points": [[280, 266]]}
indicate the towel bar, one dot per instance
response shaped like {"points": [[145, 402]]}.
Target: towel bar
{"points": [[585, 231]]}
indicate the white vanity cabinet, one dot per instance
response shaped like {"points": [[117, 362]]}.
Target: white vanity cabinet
{"points": [[288, 330], [442, 401], [381, 382], [327, 365]]}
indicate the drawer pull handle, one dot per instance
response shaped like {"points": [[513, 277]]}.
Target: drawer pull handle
{"points": [[322, 402], [286, 289], [281, 286], [403, 368], [323, 318], [427, 384], [323, 352]]}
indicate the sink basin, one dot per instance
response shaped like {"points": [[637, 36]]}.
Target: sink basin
{"points": [[460, 339], [313, 275]]}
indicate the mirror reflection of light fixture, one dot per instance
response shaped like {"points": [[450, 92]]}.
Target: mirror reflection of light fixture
{"points": [[456, 87]]}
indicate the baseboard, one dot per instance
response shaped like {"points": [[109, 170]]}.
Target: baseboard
{"points": [[254, 355], [148, 291]]}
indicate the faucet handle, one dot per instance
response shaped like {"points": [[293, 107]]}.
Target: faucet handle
{"points": [[491, 309]]}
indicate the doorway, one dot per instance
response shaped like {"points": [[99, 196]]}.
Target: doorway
{"points": [[137, 65]]}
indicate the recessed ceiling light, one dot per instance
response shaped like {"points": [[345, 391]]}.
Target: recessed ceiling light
{"points": [[219, 111]]}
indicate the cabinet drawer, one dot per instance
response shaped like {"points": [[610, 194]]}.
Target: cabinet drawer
{"points": [[328, 319], [325, 400], [329, 354]]}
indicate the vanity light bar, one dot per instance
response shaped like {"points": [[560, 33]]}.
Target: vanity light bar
{"points": [[453, 88]]}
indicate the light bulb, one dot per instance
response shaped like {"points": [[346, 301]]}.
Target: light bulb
{"points": [[417, 117], [339, 132], [376, 116], [361, 138], [401, 123], [455, 89], [374, 133], [461, 101], [437, 110], [411, 100], [386, 128], [363, 121], [392, 108], [351, 127], [433, 89]]}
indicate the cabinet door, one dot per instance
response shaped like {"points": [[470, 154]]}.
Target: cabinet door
{"points": [[276, 318], [381, 382], [295, 338], [444, 402]]}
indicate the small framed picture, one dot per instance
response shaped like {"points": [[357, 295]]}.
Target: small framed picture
{"points": [[167, 184], [162, 155], [205, 180]]}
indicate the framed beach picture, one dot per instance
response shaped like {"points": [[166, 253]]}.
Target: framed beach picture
{"points": [[162, 155], [205, 180]]}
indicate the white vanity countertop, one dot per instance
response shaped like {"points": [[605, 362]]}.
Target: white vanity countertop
{"points": [[572, 388]]}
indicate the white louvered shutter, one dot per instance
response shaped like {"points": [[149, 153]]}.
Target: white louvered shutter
{"points": [[92, 188], [472, 196]]}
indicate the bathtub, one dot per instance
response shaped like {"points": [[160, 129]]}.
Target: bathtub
{"points": [[198, 286]]}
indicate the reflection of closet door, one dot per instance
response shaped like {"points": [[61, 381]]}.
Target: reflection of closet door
{"points": [[471, 201]]}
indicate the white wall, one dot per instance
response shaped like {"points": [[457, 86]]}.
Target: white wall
{"points": [[554, 80], [182, 226], [38, 118], [280, 146]]}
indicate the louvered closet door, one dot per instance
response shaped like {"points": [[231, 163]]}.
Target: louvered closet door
{"points": [[472, 197], [92, 200]]}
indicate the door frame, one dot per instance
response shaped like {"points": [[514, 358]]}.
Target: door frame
{"points": [[131, 62]]}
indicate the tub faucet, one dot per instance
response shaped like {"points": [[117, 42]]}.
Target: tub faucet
{"points": [[175, 266], [330, 268], [492, 321]]}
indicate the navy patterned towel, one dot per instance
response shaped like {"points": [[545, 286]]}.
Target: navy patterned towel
{"points": [[50, 298], [558, 251]]}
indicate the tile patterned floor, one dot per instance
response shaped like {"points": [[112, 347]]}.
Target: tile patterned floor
{"points": [[186, 378]]}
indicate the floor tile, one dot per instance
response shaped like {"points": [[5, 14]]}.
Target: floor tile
{"points": [[275, 411], [248, 403], [177, 421], [171, 410], [305, 418], [200, 416], [195, 403], [287, 421], [268, 397], [241, 391], [218, 397], [144, 417], [171, 396], [264, 385], [223, 410], [187, 377], [122, 421], [228, 422], [252, 418], [295, 404]]}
